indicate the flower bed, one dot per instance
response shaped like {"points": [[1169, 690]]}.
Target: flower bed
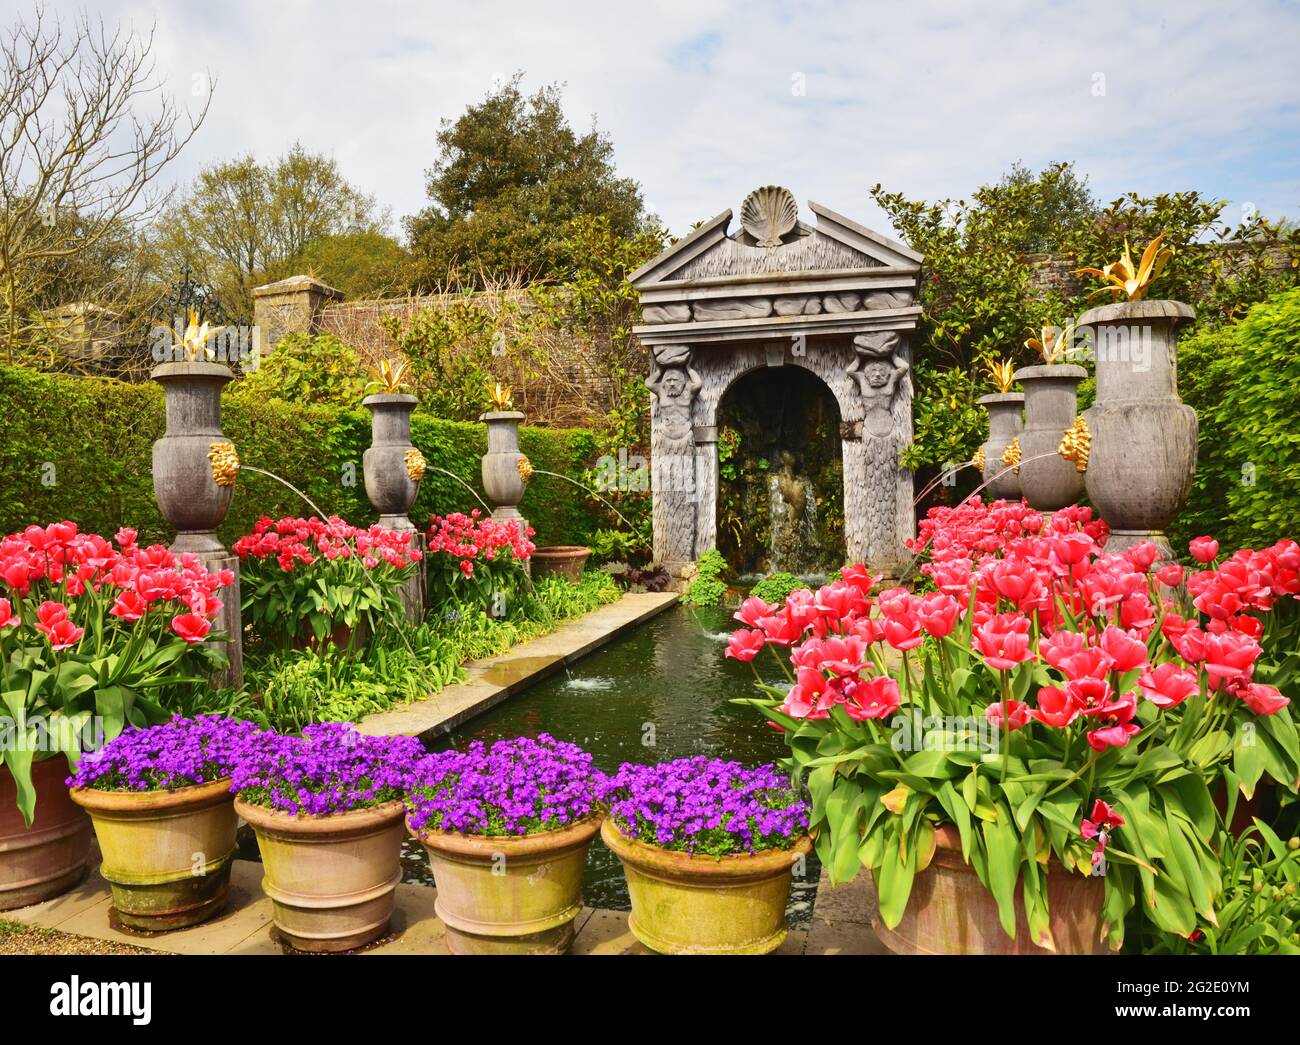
{"points": [[178, 753], [311, 576], [1048, 700], [474, 559]]}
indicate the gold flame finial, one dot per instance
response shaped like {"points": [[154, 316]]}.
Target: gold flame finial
{"points": [[1076, 442], [1124, 277], [499, 396]]}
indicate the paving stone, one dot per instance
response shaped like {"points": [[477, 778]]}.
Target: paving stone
{"points": [[841, 919]]}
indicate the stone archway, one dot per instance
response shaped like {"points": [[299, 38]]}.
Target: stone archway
{"points": [[780, 473], [836, 299]]}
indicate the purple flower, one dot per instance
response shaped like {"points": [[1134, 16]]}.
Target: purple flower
{"points": [[515, 787], [175, 754], [331, 768], [705, 805]]}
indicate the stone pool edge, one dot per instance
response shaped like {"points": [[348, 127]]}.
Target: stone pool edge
{"points": [[494, 679]]}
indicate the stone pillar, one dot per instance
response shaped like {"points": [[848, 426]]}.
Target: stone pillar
{"points": [[290, 306], [706, 487], [674, 386]]}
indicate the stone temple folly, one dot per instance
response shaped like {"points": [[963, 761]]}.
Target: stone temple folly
{"points": [[836, 301]]}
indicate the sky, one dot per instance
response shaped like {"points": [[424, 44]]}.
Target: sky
{"points": [[706, 100]]}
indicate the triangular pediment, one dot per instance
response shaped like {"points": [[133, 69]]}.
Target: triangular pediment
{"points": [[836, 244]]}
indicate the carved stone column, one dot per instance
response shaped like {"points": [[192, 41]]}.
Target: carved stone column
{"points": [[673, 386], [706, 481]]}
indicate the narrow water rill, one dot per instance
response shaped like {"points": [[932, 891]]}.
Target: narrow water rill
{"points": [[781, 474]]}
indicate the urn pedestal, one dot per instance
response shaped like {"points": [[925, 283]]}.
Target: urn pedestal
{"points": [[188, 496], [1143, 452], [503, 481], [392, 480], [1004, 425], [1050, 482]]}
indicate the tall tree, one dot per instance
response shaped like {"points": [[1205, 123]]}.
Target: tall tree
{"points": [[511, 175], [85, 131], [243, 222]]}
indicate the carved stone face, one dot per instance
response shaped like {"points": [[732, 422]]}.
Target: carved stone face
{"points": [[674, 383], [877, 374]]}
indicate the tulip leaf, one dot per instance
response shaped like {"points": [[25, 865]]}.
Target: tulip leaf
{"points": [[1003, 868]]}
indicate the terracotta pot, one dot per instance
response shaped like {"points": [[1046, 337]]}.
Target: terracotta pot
{"points": [[1004, 425], [562, 560], [390, 489], [509, 895], [341, 636], [685, 904], [950, 911], [167, 854], [1143, 452], [39, 862], [1050, 482], [331, 879]]}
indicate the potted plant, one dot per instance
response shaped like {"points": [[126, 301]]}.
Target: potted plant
{"points": [[160, 801], [507, 829], [709, 849], [93, 638], [1040, 749], [1144, 436], [477, 560], [327, 811], [312, 581], [1047, 480], [1004, 408]]}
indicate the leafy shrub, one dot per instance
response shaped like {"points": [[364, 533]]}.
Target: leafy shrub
{"points": [[307, 369], [776, 587], [707, 587]]}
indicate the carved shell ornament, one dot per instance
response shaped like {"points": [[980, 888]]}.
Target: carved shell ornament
{"points": [[768, 214]]}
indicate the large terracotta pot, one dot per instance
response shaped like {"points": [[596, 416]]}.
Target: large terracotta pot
{"points": [[1004, 425], [509, 895], [950, 911], [167, 854], [1143, 452], [388, 485], [331, 879], [684, 904], [563, 560], [1051, 482], [39, 862]]}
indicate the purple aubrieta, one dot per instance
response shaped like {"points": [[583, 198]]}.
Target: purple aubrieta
{"points": [[515, 787], [178, 753], [705, 806], [331, 768]]}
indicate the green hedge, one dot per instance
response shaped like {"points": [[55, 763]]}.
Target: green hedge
{"points": [[1244, 381], [80, 448]]}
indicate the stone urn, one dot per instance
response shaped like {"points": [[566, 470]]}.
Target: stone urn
{"points": [[188, 496], [186, 486], [503, 477], [389, 482], [1051, 399], [1143, 436], [1004, 425]]}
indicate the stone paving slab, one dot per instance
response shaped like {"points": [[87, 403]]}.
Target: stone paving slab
{"points": [[841, 918], [245, 927], [492, 680]]}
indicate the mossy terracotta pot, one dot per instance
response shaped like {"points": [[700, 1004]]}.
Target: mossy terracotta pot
{"points": [[38, 863], [332, 879], [167, 854], [509, 895], [561, 560], [950, 911], [684, 904]]}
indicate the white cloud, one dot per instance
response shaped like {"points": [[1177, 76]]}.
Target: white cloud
{"points": [[929, 98]]}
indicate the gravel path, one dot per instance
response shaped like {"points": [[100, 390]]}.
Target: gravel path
{"points": [[17, 938]]}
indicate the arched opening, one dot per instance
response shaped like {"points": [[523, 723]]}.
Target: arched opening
{"points": [[780, 474]]}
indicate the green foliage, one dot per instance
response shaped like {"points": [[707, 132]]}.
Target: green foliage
{"points": [[1242, 379], [707, 588], [307, 369], [948, 422], [362, 263], [511, 173], [776, 587], [80, 448]]}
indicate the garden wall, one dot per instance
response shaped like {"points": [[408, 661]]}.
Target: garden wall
{"points": [[80, 448]]}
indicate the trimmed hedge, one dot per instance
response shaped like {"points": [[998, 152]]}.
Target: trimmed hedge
{"points": [[80, 448]]}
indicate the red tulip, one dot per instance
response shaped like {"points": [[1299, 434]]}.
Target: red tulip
{"points": [[744, 645], [1203, 549], [1230, 655], [1126, 652], [1003, 641], [1170, 574], [1054, 709], [875, 697], [1167, 685], [752, 609], [1012, 714], [1119, 724], [191, 627], [130, 605], [1060, 646], [1262, 699], [63, 634], [8, 619], [1142, 555], [938, 613]]}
